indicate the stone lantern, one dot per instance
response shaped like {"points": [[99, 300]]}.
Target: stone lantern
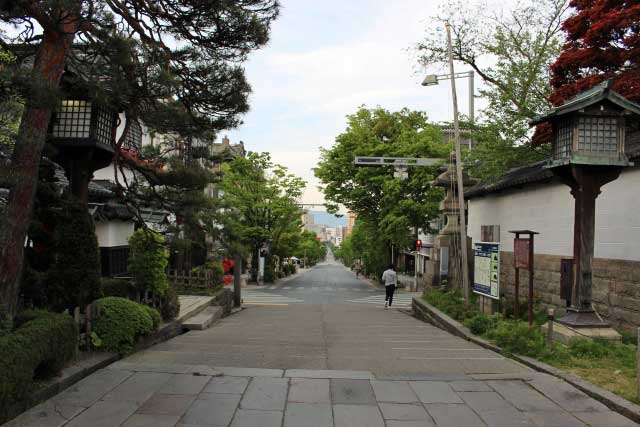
{"points": [[446, 258], [588, 152]]}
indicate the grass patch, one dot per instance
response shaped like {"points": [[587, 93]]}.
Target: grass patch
{"points": [[612, 366]]}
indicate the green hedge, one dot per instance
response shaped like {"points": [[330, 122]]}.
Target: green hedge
{"points": [[41, 345], [120, 322], [154, 314]]}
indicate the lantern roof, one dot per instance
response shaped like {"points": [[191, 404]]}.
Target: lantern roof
{"points": [[595, 95]]}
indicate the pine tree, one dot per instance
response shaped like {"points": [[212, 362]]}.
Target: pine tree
{"points": [[195, 85]]}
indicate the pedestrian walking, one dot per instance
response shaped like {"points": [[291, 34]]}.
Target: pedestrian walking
{"points": [[390, 280]]}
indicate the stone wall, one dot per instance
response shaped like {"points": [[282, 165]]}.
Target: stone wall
{"points": [[616, 286]]}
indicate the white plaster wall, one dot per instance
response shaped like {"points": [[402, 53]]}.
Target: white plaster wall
{"points": [[114, 233], [549, 208]]}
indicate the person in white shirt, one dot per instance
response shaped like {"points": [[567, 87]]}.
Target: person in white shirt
{"points": [[390, 280]]}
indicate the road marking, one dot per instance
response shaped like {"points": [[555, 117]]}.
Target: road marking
{"points": [[251, 297], [400, 300], [273, 287], [287, 287]]}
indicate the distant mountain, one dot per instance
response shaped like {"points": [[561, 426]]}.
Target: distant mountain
{"points": [[320, 217]]}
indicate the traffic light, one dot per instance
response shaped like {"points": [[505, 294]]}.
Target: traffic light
{"points": [[418, 245]]}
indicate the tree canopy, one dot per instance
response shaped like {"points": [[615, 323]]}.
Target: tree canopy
{"points": [[393, 207], [520, 43], [259, 204], [603, 42]]}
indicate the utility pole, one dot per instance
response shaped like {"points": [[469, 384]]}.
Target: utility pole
{"points": [[456, 128]]}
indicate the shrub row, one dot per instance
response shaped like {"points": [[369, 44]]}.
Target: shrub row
{"points": [[40, 346]]}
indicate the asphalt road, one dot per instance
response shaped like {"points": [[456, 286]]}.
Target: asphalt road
{"points": [[326, 283]]}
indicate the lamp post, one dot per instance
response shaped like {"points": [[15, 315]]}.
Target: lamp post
{"points": [[434, 79]]}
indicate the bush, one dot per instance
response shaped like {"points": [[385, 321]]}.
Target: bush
{"points": [[39, 347], [170, 304], [120, 322], [148, 261], [516, 337], [117, 288], [452, 304], [269, 273], [155, 316], [74, 278], [479, 324]]}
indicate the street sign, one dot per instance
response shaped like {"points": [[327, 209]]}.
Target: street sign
{"points": [[521, 253], [395, 161], [486, 278]]}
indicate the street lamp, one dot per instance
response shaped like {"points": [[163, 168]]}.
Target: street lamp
{"points": [[434, 79]]}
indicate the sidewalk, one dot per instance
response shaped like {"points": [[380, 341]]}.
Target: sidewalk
{"points": [[167, 395]]}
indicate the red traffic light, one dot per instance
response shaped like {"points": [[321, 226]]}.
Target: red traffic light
{"points": [[418, 245]]}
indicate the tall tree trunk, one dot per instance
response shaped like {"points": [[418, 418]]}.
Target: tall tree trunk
{"points": [[25, 161]]}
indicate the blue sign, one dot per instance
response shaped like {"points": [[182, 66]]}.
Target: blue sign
{"points": [[486, 275]]}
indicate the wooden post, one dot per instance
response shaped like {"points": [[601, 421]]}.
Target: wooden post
{"points": [[530, 280], [551, 315], [516, 307], [88, 318], [237, 288]]}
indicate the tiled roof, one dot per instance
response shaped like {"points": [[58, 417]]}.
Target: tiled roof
{"points": [[535, 172]]}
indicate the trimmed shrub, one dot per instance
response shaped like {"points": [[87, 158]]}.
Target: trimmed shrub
{"points": [[117, 288], [74, 278], [148, 261], [155, 316], [479, 324], [39, 347], [120, 322], [170, 304]]}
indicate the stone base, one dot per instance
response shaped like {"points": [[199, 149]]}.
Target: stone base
{"points": [[564, 334], [583, 319]]}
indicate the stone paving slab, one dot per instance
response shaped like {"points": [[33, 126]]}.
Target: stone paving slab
{"points": [[357, 416], [227, 385], [212, 409], [308, 415], [393, 391], [435, 392], [266, 394], [138, 388], [352, 392], [255, 418], [104, 414], [309, 390], [145, 420]]}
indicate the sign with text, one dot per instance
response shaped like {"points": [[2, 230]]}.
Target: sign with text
{"points": [[486, 277], [521, 252]]}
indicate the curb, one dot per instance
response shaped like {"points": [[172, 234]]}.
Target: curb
{"points": [[427, 313]]}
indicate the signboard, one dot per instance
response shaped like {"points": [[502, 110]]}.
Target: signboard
{"points": [[486, 277], [521, 252]]}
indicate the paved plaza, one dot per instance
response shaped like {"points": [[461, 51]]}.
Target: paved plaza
{"points": [[325, 361]]}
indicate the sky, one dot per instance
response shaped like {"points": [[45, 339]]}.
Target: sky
{"points": [[324, 60]]}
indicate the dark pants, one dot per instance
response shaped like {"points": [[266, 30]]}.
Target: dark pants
{"points": [[390, 290]]}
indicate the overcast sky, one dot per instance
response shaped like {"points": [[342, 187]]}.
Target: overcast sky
{"points": [[325, 59]]}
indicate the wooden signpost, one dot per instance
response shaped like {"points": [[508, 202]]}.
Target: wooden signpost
{"points": [[523, 258]]}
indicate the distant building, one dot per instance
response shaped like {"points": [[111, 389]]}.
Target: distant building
{"points": [[308, 221], [351, 222]]}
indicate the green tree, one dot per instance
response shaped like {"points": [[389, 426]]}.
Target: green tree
{"points": [[148, 260], [259, 205], [520, 44], [309, 248], [393, 208]]}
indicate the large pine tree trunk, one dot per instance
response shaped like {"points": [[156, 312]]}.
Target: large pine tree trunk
{"points": [[49, 66]]}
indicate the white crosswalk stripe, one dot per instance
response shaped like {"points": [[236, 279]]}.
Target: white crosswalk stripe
{"points": [[251, 297], [399, 300]]}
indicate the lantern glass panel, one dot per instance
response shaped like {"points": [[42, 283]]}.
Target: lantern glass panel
{"points": [[73, 119], [598, 135], [105, 123], [134, 136], [564, 137]]}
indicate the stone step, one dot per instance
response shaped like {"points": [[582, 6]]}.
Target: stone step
{"points": [[203, 319], [192, 305]]}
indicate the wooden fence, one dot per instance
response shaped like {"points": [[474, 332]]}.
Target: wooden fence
{"points": [[202, 280]]}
